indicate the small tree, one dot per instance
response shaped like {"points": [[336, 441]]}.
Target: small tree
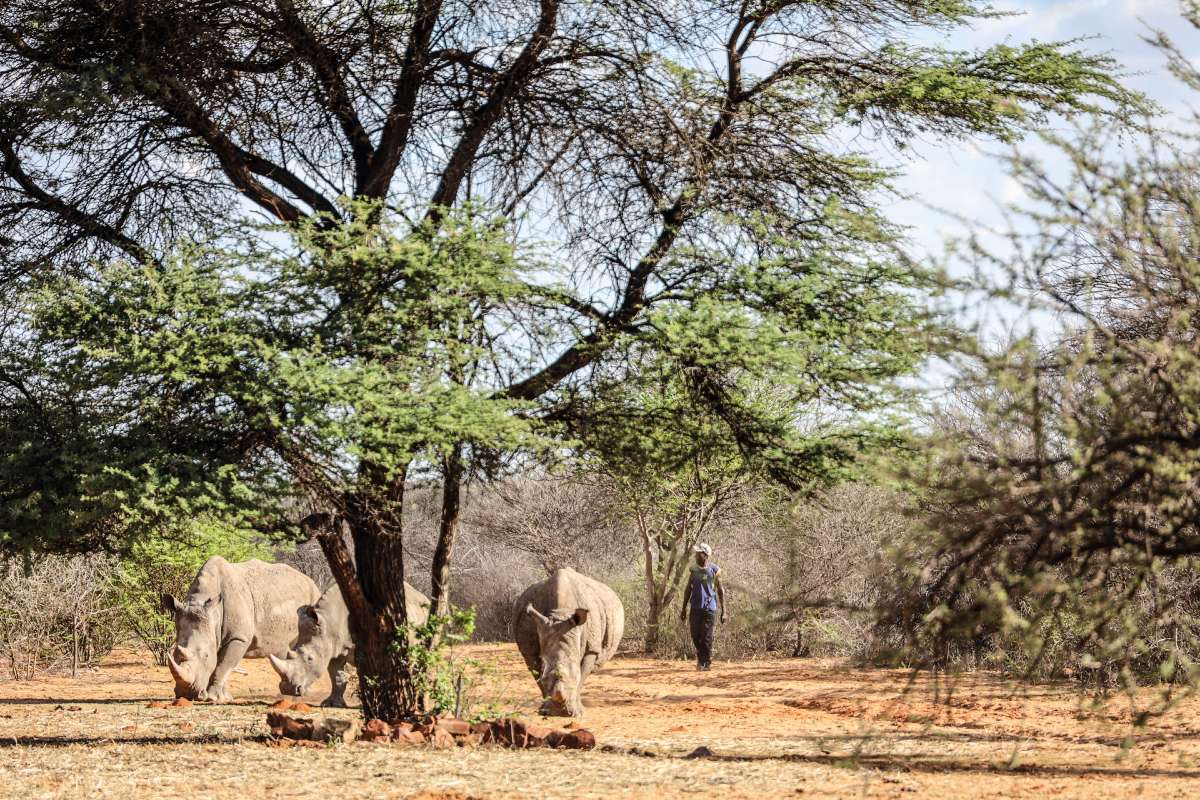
{"points": [[561, 520], [682, 469], [221, 378], [56, 611]]}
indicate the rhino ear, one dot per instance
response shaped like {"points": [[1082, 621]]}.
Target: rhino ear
{"points": [[580, 616], [169, 603]]}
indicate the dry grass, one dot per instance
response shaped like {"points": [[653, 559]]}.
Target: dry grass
{"points": [[778, 728]]}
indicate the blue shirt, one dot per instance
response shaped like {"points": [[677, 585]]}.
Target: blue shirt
{"points": [[704, 587]]}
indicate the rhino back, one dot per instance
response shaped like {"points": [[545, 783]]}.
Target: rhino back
{"points": [[563, 592], [265, 598], [416, 605], [332, 606]]}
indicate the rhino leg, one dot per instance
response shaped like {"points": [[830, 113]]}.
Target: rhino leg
{"points": [[585, 668], [228, 658], [339, 676]]}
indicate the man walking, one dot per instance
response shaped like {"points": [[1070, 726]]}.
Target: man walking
{"points": [[704, 595]]}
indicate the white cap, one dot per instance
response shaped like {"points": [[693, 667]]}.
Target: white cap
{"points": [[702, 548]]}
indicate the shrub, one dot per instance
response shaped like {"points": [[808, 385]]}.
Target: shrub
{"points": [[56, 611]]}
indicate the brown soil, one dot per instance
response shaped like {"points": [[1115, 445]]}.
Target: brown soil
{"points": [[777, 728]]}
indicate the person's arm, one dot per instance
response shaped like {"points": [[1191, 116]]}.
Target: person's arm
{"points": [[687, 595], [720, 595]]}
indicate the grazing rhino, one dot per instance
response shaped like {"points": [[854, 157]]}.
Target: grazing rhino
{"points": [[565, 627], [231, 611], [325, 644]]}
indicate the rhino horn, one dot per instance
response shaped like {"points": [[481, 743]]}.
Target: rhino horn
{"points": [[181, 673], [281, 666], [537, 615]]}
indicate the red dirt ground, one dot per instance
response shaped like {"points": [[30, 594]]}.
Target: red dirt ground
{"points": [[777, 728]]}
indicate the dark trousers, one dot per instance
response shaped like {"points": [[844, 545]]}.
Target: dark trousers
{"points": [[702, 635]]}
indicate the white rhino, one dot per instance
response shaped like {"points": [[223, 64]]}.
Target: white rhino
{"points": [[325, 644], [565, 627], [231, 611]]}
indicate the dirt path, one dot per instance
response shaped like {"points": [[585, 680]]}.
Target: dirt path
{"points": [[779, 728]]}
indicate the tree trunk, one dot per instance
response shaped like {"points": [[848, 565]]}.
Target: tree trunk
{"points": [[653, 608], [653, 621], [372, 584], [452, 473]]}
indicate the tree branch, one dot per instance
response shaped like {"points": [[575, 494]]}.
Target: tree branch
{"points": [[398, 126], [89, 223], [507, 85], [336, 97]]}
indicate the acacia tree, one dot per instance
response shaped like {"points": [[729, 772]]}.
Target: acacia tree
{"points": [[667, 180], [676, 472], [1060, 516]]}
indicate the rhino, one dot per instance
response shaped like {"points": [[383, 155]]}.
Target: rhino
{"points": [[233, 610], [325, 644], [565, 627]]}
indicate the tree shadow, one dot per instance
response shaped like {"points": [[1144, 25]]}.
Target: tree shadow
{"points": [[933, 765], [101, 701], [91, 741]]}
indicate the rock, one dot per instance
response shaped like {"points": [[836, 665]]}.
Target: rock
{"points": [[482, 732], [700, 752], [328, 729], [410, 738], [282, 704], [442, 739], [515, 733], [182, 702], [538, 731], [283, 726], [453, 726], [302, 708], [158, 704], [376, 730], [580, 739]]}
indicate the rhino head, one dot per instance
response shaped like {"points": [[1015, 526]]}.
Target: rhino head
{"points": [[561, 644], [194, 657], [306, 663]]}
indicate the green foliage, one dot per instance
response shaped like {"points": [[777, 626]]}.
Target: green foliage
{"points": [[166, 563], [210, 385], [997, 91], [447, 683]]}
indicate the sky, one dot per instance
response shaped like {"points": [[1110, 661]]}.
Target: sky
{"points": [[967, 177]]}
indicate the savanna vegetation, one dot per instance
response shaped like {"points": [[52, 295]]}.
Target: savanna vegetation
{"points": [[457, 294]]}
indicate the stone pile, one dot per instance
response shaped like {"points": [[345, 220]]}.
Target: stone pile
{"points": [[442, 732]]}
